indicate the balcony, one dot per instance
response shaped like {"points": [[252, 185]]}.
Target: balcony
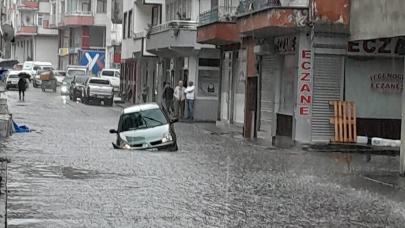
{"points": [[218, 26], [271, 16], [28, 5], [253, 6], [27, 30], [172, 38], [78, 18]]}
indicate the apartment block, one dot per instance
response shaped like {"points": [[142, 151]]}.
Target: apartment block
{"points": [[34, 38], [83, 26], [160, 46]]}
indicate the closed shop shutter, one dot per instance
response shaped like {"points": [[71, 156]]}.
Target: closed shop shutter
{"points": [[269, 64], [326, 87]]}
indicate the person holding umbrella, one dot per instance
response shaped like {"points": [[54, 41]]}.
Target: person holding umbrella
{"points": [[22, 86]]}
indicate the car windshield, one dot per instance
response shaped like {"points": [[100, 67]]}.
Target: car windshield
{"points": [[141, 120], [27, 66], [108, 73], [75, 72], [99, 81], [60, 73], [47, 68], [81, 79]]}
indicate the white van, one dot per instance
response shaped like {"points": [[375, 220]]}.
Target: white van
{"points": [[31, 67]]}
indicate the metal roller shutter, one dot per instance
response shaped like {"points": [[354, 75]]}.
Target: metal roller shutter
{"points": [[328, 70], [269, 64]]}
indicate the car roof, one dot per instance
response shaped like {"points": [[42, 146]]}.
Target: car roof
{"points": [[140, 107], [14, 72], [98, 78]]}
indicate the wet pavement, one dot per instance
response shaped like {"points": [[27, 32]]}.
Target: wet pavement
{"points": [[66, 174]]}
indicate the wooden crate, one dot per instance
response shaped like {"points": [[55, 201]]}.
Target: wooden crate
{"points": [[344, 121]]}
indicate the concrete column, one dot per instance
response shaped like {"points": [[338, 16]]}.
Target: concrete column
{"points": [[402, 163]]}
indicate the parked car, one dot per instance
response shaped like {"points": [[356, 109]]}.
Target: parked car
{"points": [[59, 75], [77, 87], [73, 70], [12, 80], [114, 76], [145, 126], [97, 90]]}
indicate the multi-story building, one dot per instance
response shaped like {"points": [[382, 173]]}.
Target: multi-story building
{"points": [[282, 62], [34, 39], [160, 45], [83, 25]]}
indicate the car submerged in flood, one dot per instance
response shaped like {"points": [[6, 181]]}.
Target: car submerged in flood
{"points": [[143, 127]]}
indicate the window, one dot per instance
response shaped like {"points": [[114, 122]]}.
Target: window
{"points": [[40, 19], [178, 10], [124, 34], [155, 16], [130, 29], [101, 6]]}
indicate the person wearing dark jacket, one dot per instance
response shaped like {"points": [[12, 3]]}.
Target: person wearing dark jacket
{"points": [[22, 85], [168, 98]]}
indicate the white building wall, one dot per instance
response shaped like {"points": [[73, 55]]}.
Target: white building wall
{"points": [[46, 49]]}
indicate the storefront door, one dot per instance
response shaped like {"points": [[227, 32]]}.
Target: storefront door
{"points": [[328, 74]]}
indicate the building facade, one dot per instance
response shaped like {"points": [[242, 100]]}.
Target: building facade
{"points": [[160, 43], [83, 26], [34, 38], [282, 62]]}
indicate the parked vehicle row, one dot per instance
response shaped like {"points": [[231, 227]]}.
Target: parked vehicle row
{"points": [[91, 89]]}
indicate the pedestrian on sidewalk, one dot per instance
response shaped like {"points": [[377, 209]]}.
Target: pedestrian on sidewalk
{"points": [[22, 85], [179, 100], [189, 91], [167, 97], [145, 91]]}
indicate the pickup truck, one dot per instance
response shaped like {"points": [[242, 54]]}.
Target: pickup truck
{"points": [[114, 76], [98, 89]]}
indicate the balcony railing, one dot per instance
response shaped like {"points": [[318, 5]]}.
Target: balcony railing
{"points": [[175, 24], [217, 14], [251, 6], [79, 13]]}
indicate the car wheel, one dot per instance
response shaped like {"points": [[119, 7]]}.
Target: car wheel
{"points": [[173, 147]]}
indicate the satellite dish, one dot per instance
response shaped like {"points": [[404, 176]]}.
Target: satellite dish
{"points": [[7, 32]]}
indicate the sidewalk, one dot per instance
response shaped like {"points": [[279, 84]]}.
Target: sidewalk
{"points": [[376, 171], [5, 132]]}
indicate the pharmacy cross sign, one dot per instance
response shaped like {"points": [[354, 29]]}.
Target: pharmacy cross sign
{"points": [[94, 60]]}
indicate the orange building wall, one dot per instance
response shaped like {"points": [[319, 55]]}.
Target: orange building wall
{"points": [[331, 11]]}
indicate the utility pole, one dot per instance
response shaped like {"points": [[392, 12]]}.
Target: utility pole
{"points": [[402, 157]]}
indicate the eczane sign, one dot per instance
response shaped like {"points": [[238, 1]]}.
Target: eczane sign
{"points": [[378, 47]]}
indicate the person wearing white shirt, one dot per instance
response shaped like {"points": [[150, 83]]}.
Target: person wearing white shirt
{"points": [[189, 91], [179, 100]]}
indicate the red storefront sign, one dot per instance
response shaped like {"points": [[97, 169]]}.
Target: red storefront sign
{"points": [[305, 83]]}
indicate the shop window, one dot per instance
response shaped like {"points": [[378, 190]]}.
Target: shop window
{"points": [[209, 62]]}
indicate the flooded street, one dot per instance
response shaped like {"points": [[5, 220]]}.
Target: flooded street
{"points": [[66, 174]]}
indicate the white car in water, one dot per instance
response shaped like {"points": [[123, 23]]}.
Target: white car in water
{"points": [[143, 127]]}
